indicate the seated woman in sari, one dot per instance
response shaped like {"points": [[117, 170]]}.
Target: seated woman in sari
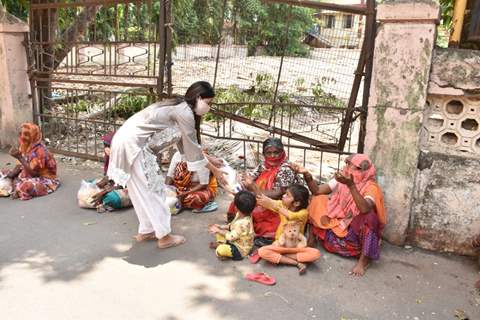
{"points": [[351, 221], [196, 189], [111, 196], [35, 175], [272, 178]]}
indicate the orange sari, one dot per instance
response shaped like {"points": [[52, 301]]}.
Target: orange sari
{"points": [[182, 179]]}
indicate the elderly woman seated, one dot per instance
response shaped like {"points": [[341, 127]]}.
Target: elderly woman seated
{"points": [[351, 220], [196, 189], [35, 174], [271, 178]]}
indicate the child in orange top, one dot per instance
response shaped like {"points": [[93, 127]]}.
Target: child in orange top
{"points": [[292, 207]]}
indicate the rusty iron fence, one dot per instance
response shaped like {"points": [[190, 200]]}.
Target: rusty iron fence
{"points": [[95, 62]]}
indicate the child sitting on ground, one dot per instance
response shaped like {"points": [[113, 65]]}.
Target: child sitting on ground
{"points": [[235, 240], [292, 207]]}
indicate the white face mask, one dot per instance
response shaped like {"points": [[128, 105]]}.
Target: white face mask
{"points": [[202, 107]]}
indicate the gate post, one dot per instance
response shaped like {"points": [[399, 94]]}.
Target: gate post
{"points": [[15, 97], [401, 67]]}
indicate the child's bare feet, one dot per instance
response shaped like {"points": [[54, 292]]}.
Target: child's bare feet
{"points": [[302, 268], [145, 237], [361, 266]]}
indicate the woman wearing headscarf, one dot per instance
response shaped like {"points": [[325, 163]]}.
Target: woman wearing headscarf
{"points": [[350, 222], [271, 178], [132, 164], [36, 172]]}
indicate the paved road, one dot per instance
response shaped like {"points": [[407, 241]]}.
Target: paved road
{"points": [[61, 262]]}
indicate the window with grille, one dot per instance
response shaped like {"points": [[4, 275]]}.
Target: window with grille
{"points": [[330, 21], [347, 21]]}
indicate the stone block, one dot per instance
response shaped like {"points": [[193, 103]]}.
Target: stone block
{"points": [[446, 202]]}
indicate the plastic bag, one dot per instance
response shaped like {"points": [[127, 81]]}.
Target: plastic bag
{"points": [[88, 188], [171, 199], [6, 186], [231, 176]]}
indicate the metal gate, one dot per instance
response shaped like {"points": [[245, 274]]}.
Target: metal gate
{"points": [[95, 62]]}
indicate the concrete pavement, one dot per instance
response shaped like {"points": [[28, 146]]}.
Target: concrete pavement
{"points": [[58, 261]]}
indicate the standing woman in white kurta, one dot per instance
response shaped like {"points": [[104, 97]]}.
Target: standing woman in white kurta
{"points": [[134, 166]]}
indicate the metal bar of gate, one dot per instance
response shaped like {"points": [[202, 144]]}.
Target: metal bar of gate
{"points": [[161, 52], [168, 45], [356, 86], [321, 5], [220, 28], [370, 33]]}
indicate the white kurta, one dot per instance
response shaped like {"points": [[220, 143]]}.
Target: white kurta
{"points": [[130, 162]]}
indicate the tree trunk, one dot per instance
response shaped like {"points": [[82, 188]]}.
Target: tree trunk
{"points": [[73, 33]]}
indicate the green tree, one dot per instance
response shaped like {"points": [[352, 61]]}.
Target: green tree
{"points": [[266, 25], [18, 8]]}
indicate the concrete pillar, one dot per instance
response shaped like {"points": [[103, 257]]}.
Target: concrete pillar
{"points": [[15, 98], [402, 59]]}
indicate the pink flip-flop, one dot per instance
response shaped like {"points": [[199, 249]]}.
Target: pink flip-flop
{"points": [[261, 277], [254, 257]]}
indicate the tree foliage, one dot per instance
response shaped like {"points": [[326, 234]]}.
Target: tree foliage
{"points": [[18, 8], [247, 22]]}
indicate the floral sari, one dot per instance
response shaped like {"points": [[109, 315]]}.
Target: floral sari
{"points": [[39, 159]]}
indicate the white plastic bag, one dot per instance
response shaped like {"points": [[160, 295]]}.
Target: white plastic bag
{"points": [[171, 199], [6, 186], [88, 188], [231, 176]]}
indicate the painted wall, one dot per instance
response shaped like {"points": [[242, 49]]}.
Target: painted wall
{"points": [[15, 100], [403, 52]]}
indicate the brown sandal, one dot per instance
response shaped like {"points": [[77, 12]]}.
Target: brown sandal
{"points": [[145, 237], [176, 241]]}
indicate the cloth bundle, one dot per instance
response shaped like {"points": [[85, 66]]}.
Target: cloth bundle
{"points": [[117, 199]]}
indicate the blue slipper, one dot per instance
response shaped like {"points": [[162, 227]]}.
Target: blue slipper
{"points": [[209, 207]]}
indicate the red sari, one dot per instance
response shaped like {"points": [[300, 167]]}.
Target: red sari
{"points": [[265, 222]]}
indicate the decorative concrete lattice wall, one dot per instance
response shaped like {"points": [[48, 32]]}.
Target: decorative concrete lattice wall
{"points": [[452, 125]]}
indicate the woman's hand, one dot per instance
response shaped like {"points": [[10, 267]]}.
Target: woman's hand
{"points": [[14, 152], [220, 175], [181, 196], [298, 168], [12, 174], [97, 198], [247, 182], [264, 201], [343, 179], [218, 163]]}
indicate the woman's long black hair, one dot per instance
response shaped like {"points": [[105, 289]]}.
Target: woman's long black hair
{"points": [[204, 90]]}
